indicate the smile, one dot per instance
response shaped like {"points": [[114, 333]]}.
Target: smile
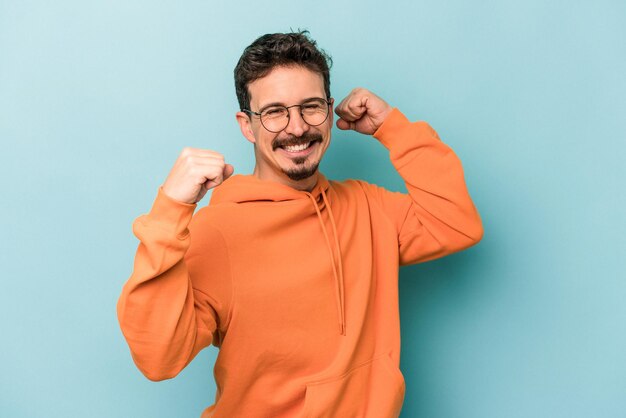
{"points": [[297, 148]]}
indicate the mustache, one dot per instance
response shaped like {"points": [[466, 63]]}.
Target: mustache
{"points": [[292, 140]]}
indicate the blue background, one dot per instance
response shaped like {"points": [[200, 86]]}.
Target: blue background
{"points": [[97, 99]]}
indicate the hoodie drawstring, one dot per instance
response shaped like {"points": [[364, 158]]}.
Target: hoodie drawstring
{"points": [[337, 272]]}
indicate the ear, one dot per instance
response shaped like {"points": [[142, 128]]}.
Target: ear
{"points": [[245, 124]]}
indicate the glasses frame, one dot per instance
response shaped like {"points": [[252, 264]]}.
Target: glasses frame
{"points": [[328, 104]]}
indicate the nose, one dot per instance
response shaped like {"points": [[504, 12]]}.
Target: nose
{"points": [[296, 126]]}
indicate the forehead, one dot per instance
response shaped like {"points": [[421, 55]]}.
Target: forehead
{"points": [[287, 86]]}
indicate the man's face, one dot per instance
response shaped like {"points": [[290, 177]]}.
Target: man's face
{"points": [[280, 154]]}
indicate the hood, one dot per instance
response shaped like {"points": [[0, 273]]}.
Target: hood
{"points": [[248, 188]]}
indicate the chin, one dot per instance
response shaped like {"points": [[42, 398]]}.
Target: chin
{"points": [[302, 172]]}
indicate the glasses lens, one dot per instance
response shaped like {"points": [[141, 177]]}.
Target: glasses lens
{"points": [[314, 112], [275, 118]]}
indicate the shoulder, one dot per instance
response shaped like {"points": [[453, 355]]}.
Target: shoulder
{"points": [[348, 185], [207, 225], [352, 186], [376, 196]]}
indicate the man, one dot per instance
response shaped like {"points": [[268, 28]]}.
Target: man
{"points": [[292, 276]]}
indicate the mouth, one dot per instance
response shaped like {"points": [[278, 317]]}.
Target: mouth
{"points": [[298, 150]]}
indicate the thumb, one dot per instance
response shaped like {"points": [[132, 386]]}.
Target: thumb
{"points": [[344, 125], [228, 171]]}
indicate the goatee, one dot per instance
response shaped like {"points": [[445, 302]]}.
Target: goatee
{"points": [[302, 172]]}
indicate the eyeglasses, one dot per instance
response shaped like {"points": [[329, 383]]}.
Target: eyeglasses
{"points": [[275, 118]]}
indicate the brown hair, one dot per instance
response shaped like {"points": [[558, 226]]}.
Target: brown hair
{"points": [[279, 49]]}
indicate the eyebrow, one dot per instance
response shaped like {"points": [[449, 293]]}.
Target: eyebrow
{"points": [[282, 104]]}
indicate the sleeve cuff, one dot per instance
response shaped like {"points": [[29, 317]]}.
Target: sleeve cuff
{"points": [[170, 211], [386, 132], [392, 132]]}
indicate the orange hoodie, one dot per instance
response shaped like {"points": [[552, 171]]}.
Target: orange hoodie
{"points": [[298, 290]]}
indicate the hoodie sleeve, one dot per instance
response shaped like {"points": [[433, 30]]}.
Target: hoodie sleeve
{"points": [[170, 306], [437, 217]]}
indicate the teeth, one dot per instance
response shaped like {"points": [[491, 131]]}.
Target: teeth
{"points": [[297, 148]]}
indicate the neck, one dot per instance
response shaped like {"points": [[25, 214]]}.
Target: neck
{"points": [[306, 184]]}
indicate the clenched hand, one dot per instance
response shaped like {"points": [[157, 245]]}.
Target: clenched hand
{"points": [[195, 172], [362, 111]]}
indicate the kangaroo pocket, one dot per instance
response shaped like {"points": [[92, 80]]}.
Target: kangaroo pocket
{"points": [[374, 389]]}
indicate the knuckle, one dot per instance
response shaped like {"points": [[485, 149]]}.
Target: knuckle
{"points": [[215, 154]]}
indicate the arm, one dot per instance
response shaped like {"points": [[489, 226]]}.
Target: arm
{"points": [[170, 306], [437, 217]]}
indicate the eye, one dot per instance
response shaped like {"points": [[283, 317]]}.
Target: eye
{"points": [[314, 106], [274, 111]]}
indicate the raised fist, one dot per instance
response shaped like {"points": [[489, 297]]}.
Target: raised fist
{"points": [[362, 111], [195, 172]]}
